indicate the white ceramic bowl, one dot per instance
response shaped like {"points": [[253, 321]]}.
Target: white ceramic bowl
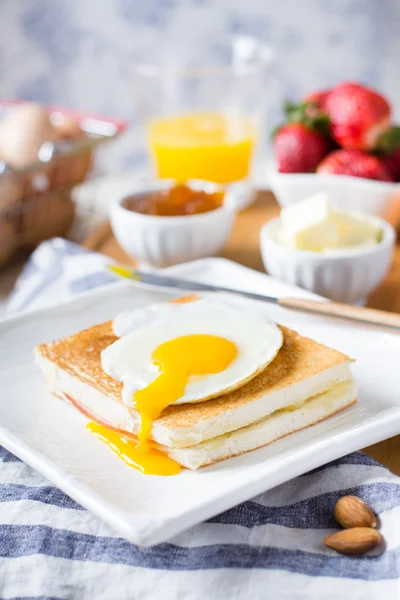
{"points": [[346, 276], [164, 241], [374, 198]]}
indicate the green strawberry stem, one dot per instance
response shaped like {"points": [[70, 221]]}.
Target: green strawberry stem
{"points": [[309, 115], [389, 141]]}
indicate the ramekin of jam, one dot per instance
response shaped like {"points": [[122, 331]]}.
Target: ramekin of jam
{"points": [[163, 223]]}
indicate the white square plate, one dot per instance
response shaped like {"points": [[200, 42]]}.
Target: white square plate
{"points": [[51, 436]]}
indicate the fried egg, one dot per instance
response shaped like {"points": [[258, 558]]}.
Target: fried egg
{"points": [[189, 352]]}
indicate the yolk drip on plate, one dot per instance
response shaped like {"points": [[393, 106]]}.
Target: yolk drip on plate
{"points": [[178, 360], [150, 462]]}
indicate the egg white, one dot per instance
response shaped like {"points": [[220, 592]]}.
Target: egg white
{"points": [[247, 325]]}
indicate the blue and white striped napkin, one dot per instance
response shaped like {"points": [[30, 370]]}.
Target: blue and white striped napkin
{"points": [[267, 548]]}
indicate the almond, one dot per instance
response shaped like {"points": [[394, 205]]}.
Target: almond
{"points": [[350, 511], [357, 540]]}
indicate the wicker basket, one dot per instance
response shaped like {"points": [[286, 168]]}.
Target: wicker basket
{"points": [[35, 202]]}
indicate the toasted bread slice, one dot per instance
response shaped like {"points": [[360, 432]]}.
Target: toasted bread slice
{"points": [[277, 425], [302, 369]]}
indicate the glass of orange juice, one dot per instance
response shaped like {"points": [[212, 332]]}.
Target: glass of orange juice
{"points": [[203, 108]]}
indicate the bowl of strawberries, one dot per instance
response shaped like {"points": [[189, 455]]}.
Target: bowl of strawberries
{"points": [[341, 141]]}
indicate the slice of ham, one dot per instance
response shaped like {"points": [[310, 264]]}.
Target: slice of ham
{"points": [[94, 418]]}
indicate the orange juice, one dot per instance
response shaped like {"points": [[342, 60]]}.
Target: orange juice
{"points": [[212, 146]]}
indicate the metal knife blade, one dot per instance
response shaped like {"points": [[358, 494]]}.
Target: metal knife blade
{"points": [[181, 284]]}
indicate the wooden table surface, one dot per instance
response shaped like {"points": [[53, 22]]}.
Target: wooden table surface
{"points": [[243, 247]]}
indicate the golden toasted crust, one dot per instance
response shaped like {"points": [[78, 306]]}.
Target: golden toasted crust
{"points": [[298, 359], [79, 355]]}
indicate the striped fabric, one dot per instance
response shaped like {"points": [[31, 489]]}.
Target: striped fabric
{"points": [[267, 548]]}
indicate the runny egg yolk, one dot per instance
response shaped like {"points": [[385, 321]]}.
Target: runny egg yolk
{"points": [[178, 361]]}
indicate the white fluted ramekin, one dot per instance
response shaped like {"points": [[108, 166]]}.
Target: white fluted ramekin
{"points": [[345, 276], [375, 198], [164, 241]]}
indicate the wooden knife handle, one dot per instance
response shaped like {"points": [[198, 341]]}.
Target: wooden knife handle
{"points": [[357, 314]]}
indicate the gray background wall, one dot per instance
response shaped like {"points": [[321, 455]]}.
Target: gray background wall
{"points": [[76, 52]]}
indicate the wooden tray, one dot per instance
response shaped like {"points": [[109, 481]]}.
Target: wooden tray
{"points": [[243, 247]]}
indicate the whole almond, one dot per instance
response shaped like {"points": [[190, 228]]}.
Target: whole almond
{"points": [[357, 540], [350, 511]]}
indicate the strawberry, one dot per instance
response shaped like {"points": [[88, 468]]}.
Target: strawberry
{"points": [[388, 149], [358, 115], [355, 163], [303, 141], [392, 164], [299, 149], [318, 98]]}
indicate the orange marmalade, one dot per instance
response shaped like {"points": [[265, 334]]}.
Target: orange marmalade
{"points": [[180, 200]]}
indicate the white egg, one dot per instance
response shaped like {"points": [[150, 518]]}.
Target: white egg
{"points": [[23, 130], [243, 322]]}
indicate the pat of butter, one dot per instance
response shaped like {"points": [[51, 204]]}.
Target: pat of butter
{"points": [[356, 230], [314, 225], [309, 225]]}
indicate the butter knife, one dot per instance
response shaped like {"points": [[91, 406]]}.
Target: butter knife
{"points": [[355, 314]]}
